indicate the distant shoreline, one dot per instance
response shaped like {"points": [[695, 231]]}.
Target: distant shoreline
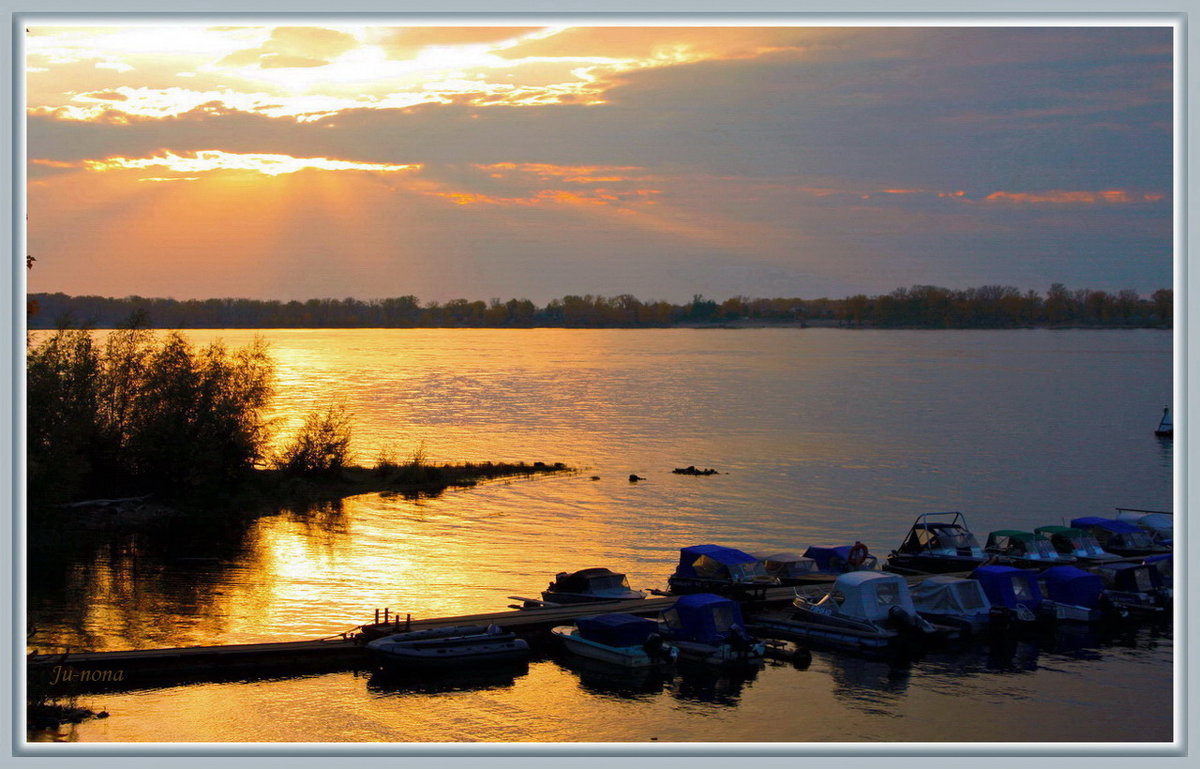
{"points": [[930, 307]]}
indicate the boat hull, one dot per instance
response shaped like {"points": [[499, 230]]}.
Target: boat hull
{"points": [[623, 656], [920, 563], [438, 649]]}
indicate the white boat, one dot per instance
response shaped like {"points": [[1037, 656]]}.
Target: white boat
{"points": [[449, 646], [954, 602], [618, 639], [865, 610]]}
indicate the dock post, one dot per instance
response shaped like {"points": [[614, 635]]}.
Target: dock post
{"points": [[377, 616], [408, 622], [386, 610]]}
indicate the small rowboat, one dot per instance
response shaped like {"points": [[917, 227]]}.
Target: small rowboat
{"points": [[449, 646]]}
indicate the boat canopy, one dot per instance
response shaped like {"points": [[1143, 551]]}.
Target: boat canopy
{"points": [[1009, 586], [1070, 541], [944, 594], [1132, 577], [1109, 532], [1161, 525], [717, 562], [871, 594], [616, 629], [703, 617], [589, 581], [941, 537], [788, 565], [1071, 585], [1021, 544]]}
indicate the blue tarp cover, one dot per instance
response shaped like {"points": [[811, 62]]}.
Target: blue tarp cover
{"points": [[1117, 527], [724, 555], [1009, 586], [702, 617], [1068, 584], [824, 556], [616, 629]]}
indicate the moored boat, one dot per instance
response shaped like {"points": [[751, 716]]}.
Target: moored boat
{"points": [[1076, 542], [791, 568], [618, 639], [1012, 589], [1024, 549], [954, 602], [842, 559], [722, 570], [937, 543], [449, 646], [709, 628], [1139, 587], [1160, 523], [1120, 537], [865, 611], [1074, 595], [586, 586]]}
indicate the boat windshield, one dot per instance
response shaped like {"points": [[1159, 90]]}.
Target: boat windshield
{"points": [[609, 582], [887, 593], [1138, 539], [723, 618], [954, 538], [1085, 544], [748, 571], [1041, 548], [1021, 589]]}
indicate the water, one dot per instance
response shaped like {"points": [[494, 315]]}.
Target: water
{"points": [[822, 436]]}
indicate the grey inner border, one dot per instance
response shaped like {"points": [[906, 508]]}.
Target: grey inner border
{"points": [[848, 13]]}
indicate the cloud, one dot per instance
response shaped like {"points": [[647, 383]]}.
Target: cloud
{"points": [[294, 47], [408, 42]]}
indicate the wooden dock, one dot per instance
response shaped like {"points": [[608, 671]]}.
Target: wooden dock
{"points": [[140, 668]]}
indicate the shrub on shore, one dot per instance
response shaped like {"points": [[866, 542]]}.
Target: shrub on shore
{"points": [[141, 413]]}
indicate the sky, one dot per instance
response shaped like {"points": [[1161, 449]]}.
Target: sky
{"points": [[295, 162]]}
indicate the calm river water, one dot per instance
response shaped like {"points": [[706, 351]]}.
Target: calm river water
{"points": [[822, 436]]}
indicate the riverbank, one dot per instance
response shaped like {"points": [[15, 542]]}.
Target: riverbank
{"points": [[269, 490]]}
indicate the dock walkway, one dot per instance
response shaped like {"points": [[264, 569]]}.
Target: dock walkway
{"points": [[138, 668]]}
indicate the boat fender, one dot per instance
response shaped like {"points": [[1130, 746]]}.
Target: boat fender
{"points": [[858, 555]]}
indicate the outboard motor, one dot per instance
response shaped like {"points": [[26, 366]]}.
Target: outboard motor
{"points": [[741, 641], [656, 648]]}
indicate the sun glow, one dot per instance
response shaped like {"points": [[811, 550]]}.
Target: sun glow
{"points": [[262, 163]]}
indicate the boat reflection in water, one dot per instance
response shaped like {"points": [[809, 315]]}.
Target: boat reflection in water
{"points": [[697, 682], [391, 681], [605, 679]]}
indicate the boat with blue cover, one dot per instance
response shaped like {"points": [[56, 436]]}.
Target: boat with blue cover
{"points": [[721, 570], [864, 611], [1120, 537], [1076, 542], [1015, 590], [1024, 549], [449, 646], [619, 639], [1074, 595], [937, 543], [709, 628], [1160, 523], [842, 559]]}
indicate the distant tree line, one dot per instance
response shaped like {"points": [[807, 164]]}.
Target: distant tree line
{"points": [[918, 306]]}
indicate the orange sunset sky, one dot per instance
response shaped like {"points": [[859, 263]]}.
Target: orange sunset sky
{"points": [[313, 160]]}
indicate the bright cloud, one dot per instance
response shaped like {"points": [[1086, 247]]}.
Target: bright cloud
{"points": [[216, 160]]}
